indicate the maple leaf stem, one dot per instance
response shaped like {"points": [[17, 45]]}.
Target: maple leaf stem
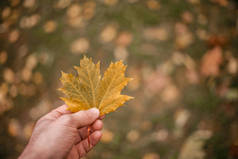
{"points": [[89, 129]]}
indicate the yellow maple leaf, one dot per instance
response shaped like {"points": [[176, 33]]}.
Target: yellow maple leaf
{"points": [[88, 89]]}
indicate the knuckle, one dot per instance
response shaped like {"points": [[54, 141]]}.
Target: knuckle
{"points": [[39, 121], [67, 119], [88, 116]]}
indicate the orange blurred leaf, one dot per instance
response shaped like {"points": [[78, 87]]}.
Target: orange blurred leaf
{"points": [[211, 62]]}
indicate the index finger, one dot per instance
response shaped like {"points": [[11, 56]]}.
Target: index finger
{"points": [[56, 113]]}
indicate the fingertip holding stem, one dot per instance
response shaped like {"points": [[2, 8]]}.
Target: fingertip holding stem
{"points": [[83, 118], [98, 124], [94, 112]]}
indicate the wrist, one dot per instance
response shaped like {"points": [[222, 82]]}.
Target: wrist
{"points": [[33, 153]]}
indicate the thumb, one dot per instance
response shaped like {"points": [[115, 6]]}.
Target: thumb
{"points": [[81, 118]]}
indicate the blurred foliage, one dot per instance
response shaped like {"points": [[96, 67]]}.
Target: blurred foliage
{"points": [[183, 55]]}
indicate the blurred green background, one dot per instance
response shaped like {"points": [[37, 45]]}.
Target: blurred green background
{"points": [[182, 54]]}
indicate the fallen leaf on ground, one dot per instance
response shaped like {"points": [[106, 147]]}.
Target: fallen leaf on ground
{"points": [[107, 136], [151, 156], [211, 62]]}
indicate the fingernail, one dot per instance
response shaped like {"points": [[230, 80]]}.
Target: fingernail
{"points": [[102, 117], [94, 111]]}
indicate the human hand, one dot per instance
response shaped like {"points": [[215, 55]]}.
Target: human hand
{"points": [[62, 134]]}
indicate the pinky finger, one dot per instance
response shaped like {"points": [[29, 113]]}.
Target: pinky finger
{"points": [[85, 146]]}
